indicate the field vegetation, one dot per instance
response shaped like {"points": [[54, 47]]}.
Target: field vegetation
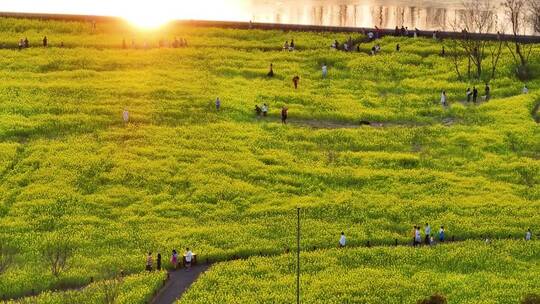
{"points": [[75, 180]]}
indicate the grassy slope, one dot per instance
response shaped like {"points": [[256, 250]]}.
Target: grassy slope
{"points": [[225, 183]]}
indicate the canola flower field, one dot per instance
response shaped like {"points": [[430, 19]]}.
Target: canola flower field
{"points": [[180, 174], [500, 272]]}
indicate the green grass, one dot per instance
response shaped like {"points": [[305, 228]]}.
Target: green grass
{"points": [[181, 175]]}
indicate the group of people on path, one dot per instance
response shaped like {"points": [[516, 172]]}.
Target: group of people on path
{"points": [[289, 46], [469, 94], [429, 238], [263, 111], [162, 43], [187, 260], [24, 43]]}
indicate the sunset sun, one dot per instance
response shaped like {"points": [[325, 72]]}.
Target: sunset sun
{"points": [[148, 17]]}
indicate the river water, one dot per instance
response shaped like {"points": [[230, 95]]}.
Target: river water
{"points": [[422, 14]]}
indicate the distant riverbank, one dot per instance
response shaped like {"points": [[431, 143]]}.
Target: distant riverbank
{"points": [[270, 26]]}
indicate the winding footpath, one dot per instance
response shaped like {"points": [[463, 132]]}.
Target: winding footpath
{"points": [[177, 283]]}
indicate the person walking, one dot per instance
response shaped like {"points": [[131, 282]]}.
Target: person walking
{"points": [[441, 234], [444, 101], [188, 257], [469, 94], [149, 262], [342, 240], [218, 104], [417, 236], [487, 92], [264, 110], [427, 231], [258, 110], [398, 47], [271, 72], [158, 262], [475, 95], [295, 81], [45, 41], [324, 71], [528, 235], [284, 115], [125, 116], [174, 259]]}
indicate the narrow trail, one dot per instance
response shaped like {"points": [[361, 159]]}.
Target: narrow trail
{"points": [[337, 124], [177, 283]]}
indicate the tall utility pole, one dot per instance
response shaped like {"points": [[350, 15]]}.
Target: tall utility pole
{"points": [[298, 257]]}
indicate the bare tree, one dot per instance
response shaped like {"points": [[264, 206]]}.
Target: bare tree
{"points": [[477, 17], [534, 14], [516, 14], [7, 256], [57, 253], [495, 49], [457, 56]]}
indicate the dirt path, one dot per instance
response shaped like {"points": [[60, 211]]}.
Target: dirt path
{"points": [[337, 124], [178, 282]]}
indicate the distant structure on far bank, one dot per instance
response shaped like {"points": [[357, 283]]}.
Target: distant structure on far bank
{"points": [[425, 15]]}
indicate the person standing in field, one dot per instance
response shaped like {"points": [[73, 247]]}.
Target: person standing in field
{"points": [[398, 47], [342, 240], [441, 234], [417, 236], [525, 90], [295, 81], [475, 95], [218, 104], [45, 41], [258, 110], [271, 72], [427, 231], [414, 236], [286, 46], [125, 116], [26, 42], [469, 94], [264, 110], [284, 115], [488, 92], [158, 262], [174, 259], [528, 235], [149, 262], [324, 70], [444, 101], [21, 44], [188, 258], [292, 45]]}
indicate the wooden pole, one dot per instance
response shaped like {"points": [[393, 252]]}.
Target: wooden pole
{"points": [[298, 257]]}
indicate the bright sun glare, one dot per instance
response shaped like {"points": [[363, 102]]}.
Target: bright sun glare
{"points": [[148, 19], [156, 13]]}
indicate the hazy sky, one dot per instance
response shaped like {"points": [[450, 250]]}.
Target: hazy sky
{"points": [[172, 9]]}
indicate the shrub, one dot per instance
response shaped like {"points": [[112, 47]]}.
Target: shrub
{"points": [[434, 299]]}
